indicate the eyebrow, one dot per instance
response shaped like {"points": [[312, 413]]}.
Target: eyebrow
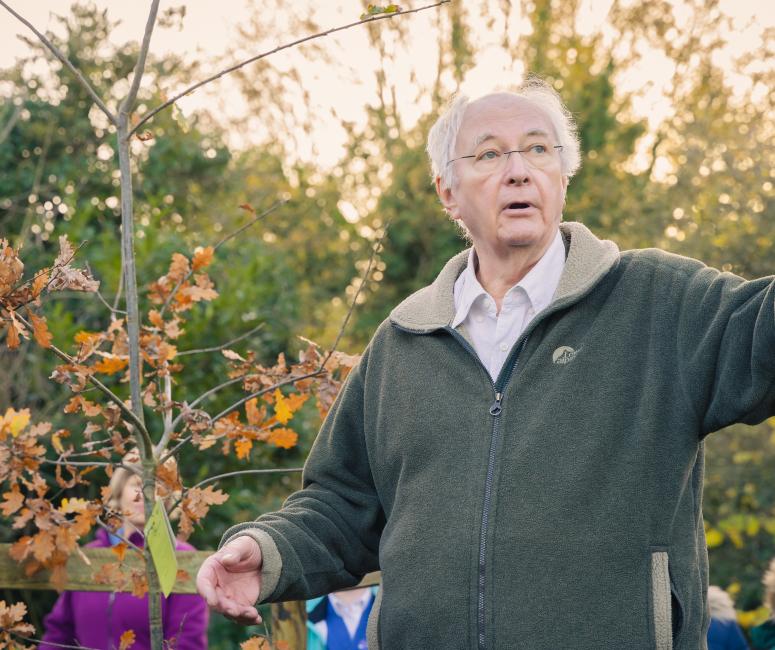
{"points": [[489, 136]]}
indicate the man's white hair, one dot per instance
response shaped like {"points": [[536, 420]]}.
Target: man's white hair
{"points": [[443, 134]]}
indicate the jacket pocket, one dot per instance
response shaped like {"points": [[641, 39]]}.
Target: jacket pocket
{"points": [[372, 627], [661, 601]]}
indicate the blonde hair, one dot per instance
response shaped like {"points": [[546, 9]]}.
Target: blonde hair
{"points": [[769, 587], [131, 466], [720, 605]]}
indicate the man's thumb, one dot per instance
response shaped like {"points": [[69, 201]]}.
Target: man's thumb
{"points": [[230, 557]]}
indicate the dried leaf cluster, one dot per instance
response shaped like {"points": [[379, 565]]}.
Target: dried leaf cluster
{"points": [[53, 527]]}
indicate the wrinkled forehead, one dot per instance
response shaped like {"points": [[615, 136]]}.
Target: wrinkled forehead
{"points": [[502, 116]]}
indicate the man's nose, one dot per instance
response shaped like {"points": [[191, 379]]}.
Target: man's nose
{"points": [[517, 171]]}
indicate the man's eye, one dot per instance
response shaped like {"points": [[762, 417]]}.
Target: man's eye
{"points": [[538, 148], [490, 154]]}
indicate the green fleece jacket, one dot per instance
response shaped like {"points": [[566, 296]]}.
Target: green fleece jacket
{"points": [[557, 508]]}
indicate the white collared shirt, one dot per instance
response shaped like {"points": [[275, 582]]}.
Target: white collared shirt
{"points": [[350, 612], [492, 334]]}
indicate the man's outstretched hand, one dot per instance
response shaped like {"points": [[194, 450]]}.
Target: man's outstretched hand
{"points": [[230, 580]]}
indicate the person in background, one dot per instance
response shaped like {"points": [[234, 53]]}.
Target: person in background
{"points": [[338, 621], [724, 633], [97, 619], [763, 636]]}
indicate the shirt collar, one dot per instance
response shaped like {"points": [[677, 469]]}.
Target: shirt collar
{"points": [[539, 284], [356, 606]]}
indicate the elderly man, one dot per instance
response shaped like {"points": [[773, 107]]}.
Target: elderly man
{"points": [[520, 449]]}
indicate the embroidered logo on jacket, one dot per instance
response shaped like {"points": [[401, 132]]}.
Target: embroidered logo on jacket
{"points": [[562, 355]]}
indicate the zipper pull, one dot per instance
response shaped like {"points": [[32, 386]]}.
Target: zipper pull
{"points": [[495, 407]]}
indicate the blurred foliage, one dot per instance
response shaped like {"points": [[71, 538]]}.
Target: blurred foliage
{"points": [[700, 183]]}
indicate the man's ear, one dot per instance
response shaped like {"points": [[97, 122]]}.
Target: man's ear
{"points": [[447, 199]]}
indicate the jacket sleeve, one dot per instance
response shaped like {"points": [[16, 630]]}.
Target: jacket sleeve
{"points": [[186, 621], [58, 625], [326, 536], [726, 348]]}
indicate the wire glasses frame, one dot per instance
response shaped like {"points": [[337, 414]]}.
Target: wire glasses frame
{"points": [[537, 155]]}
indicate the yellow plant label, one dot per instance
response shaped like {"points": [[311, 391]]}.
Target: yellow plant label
{"points": [[161, 542]]}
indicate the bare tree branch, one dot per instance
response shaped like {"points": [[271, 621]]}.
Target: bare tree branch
{"points": [[126, 541], [273, 470], [129, 101], [66, 62], [364, 278], [174, 450], [29, 639], [223, 346], [258, 393], [76, 463], [207, 394], [127, 240], [6, 130], [113, 310], [199, 84]]}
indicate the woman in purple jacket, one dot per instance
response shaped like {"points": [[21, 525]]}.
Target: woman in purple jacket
{"points": [[97, 620]]}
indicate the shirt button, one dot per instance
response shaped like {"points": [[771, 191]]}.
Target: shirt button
{"points": [[504, 347], [479, 319]]}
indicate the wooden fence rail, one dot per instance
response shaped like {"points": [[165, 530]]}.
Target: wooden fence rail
{"points": [[289, 619]]}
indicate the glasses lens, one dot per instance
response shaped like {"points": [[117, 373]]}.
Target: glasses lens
{"points": [[539, 155], [489, 162]]}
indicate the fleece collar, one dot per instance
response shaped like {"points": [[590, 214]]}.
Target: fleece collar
{"points": [[433, 307]]}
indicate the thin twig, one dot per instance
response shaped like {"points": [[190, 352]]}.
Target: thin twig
{"points": [[58, 54], [65, 463], [129, 101], [350, 311], [257, 217], [102, 299], [223, 346], [91, 452], [126, 541], [185, 278], [271, 470], [119, 289], [29, 639], [167, 415], [212, 479], [77, 463], [258, 393], [174, 450], [199, 84], [17, 111], [207, 394]]}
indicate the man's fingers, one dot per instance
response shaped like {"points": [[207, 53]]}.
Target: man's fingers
{"points": [[244, 616], [205, 583]]}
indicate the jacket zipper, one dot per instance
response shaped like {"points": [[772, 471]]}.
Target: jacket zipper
{"points": [[495, 410]]}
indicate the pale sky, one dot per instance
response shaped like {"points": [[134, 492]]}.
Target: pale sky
{"points": [[209, 29]]}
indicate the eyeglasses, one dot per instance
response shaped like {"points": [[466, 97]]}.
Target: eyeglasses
{"points": [[491, 161]]}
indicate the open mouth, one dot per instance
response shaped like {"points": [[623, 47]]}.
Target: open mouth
{"points": [[518, 206]]}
